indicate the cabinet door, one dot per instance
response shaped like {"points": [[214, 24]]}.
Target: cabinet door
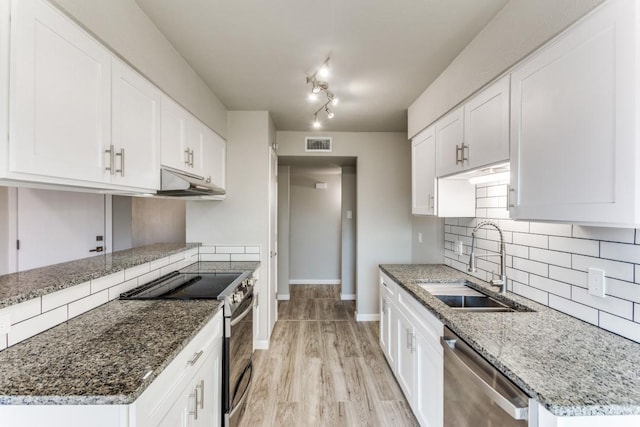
{"points": [[173, 135], [404, 335], [60, 96], [385, 327], [423, 173], [486, 125], [573, 142], [429, 371], [214, 158], [195, 145], [135, 129], [450, 151]]}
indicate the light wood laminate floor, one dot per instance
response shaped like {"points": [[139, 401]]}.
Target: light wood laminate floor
{"points": [[323, 368]]}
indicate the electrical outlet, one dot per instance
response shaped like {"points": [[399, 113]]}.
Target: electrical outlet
{"points": [[419, 237], [459, 247], [5, 324], [597, 284]]}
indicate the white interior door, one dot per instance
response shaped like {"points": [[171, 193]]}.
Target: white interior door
{"points": [[58, 226], [273, 238]]}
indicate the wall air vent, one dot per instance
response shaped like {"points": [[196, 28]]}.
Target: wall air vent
{"points": [[318, 144]]}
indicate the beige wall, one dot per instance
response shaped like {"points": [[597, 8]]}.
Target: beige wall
{"points": [[383, 201], [127, 30], [518, 29], [431, 249]]}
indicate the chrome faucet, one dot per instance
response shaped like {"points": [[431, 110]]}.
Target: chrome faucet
{"points": [[502, 281]]}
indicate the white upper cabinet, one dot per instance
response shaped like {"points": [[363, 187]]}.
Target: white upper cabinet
{"points": [[451, 151], [423, 173], [486, 125], [574, 119], [60, 97], [214, 158], [195, 146], [173, 119], [135, 132]]}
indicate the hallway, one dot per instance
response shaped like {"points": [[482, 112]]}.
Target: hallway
{"points": [[323, 368]]}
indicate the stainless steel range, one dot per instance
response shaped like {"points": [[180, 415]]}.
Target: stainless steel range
{"points": [[236, 292]]}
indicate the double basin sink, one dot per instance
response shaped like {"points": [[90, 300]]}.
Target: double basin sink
{"points": [[461, 296]]}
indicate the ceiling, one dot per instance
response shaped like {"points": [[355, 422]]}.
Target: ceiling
{"points": [[256, 54]]}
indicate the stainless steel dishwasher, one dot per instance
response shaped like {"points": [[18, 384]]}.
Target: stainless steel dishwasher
{"points": [[475, 393]]}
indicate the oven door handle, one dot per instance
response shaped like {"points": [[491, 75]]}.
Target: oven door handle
{"points": [[242, 315], [515, 412], [246, 390]]}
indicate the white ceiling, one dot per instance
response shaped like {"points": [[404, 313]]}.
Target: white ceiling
{"points": [[255, 54]]}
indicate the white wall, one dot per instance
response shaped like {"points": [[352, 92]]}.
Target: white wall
{"points": [[4, 230], [124, 27], [431, 249], [548, 262], [283, 231], [243, 217], [157, 221], [349, 232], [315, 225], [122, 223], [518, 29], [383, 202]]}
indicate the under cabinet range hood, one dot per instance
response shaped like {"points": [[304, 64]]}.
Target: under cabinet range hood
{"points": [[180, 184]]}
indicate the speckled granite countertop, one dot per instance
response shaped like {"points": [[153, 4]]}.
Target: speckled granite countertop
{"points": [[23, 286], [569, 366], [102, 356]]}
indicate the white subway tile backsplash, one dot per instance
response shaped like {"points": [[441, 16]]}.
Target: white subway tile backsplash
{"points": [[190, 252], [550, 229], [65, 296], [637, 273], [551, 286], [481, 192], [531, 293], [622, 235], [562, 259], [609, 304], [23, 330], [245, 257], [532, 240], [574, 309], [567, 275], [23, 311], [481, 213], [115, 291], [517, 226], [620, 251], [518, 275], [492, 202], [615, 269], [105, 282], [215, 257], [146, 278], [252, 249], [517, 250], [451, 221], [229, 249], [489, 245], [576, 246], [154, 265], [497, 213], [636, 313], [494, 235], [85, 304], [3, 341], [497, 190], [176, 257], [620, 326], [621, 289], [538, 268], [139, 270], [207, 249]]}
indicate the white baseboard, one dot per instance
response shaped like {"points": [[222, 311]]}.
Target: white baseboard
{"points": [[261, 344], [315, 282], [367, 317], [283, 297], [348, 297]]}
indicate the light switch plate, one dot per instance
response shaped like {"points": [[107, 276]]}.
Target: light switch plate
{"points": [[597, 283], [5, 324], [419, 237], [459, 247]]}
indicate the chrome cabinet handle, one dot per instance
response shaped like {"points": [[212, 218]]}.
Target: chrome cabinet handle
{"points": [[187, 152], [458, 154], [121, 155], [465, 147], [195, 358], [413, 343], [201, 388], [408, 339], [194, 395], [511, 193], [191, 158], [111, 154], [432, 202]]}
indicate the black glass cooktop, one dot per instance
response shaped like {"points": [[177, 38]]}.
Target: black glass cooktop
{"points": [[184, 286]]}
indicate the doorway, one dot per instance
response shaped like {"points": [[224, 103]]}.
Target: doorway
{"points": [[317, 224]]}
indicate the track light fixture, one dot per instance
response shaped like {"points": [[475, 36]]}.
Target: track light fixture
{"points": [[318, 86]]}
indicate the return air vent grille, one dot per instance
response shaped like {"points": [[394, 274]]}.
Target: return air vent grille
{"points": [[318, 144]]}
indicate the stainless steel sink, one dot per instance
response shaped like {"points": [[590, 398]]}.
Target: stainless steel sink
{"points": [[462, 297]]}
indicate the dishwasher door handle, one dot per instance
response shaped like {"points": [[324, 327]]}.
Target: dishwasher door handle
{"points": [[515, 412]]}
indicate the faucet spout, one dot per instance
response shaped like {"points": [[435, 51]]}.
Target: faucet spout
{"points": [[502, 281]]}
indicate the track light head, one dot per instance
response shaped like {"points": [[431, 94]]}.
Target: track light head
{"points": [[329, 112], [316, 122]]}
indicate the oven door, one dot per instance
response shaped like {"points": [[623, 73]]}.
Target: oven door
{"points": [[238, 353]]}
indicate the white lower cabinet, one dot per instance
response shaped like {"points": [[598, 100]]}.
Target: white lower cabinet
{"points": [[410, 340], [187, 393]]}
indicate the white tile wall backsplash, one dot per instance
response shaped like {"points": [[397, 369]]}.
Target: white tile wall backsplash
{"points": [[226, 253], [65, 296], [548, 262]]}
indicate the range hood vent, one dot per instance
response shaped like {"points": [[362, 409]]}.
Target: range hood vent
{"points": [[180, 184]]}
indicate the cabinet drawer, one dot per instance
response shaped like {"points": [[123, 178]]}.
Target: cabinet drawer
{"points": [[156, 400], [422, 319], [389, 286]]}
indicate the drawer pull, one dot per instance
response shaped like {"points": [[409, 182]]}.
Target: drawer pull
{"points": [[201, 388], [195, 358]]}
